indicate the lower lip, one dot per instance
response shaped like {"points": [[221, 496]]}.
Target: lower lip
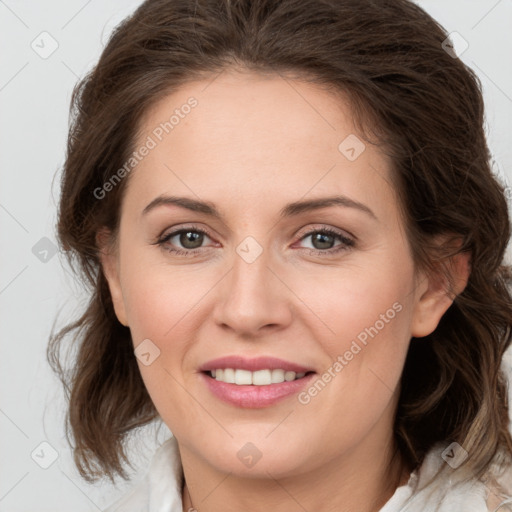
{"points": [[254, 397]]}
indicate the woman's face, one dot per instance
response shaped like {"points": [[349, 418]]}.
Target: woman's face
{"points": [[266, 166]]}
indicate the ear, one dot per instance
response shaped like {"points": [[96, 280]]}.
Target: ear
{"points": [[110, 266], [436, 294]]}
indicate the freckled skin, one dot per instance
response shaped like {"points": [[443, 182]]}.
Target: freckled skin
{"points": [[250, 146]]}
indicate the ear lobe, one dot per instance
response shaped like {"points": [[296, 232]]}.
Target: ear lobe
{"points": [[437, 293], [110, 268]]}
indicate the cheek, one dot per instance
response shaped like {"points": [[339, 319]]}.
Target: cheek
{"points": [[360, 302], [160, 298], [162, 307], [366, 313]]}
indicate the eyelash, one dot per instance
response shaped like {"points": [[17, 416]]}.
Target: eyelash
{"points": [[346, 242]]}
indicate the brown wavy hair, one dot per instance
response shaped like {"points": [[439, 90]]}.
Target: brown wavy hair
{"points": [[424, 107]]}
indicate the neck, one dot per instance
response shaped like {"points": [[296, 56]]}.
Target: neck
{"points": [[357, 481]]}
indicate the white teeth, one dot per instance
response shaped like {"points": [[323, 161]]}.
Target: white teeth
{"points": [[262, 378], [243, 377], [257, 378], [277, 376], [229, 375], [288, 376]]}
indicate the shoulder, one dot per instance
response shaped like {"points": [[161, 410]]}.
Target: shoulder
{"points": [[445, 493], [160, 489]]}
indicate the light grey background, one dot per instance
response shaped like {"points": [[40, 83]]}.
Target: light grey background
{"points": [[35, 91]]}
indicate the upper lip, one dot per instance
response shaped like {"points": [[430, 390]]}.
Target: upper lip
{"points": [[254, 364]]}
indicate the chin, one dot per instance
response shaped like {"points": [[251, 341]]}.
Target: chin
{"points": [[256, 458]]}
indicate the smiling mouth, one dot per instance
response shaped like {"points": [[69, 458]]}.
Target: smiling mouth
{"points": [[263, 377]]}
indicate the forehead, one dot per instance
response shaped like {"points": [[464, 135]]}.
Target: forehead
{"points": [[244, 134], [265, 105]]}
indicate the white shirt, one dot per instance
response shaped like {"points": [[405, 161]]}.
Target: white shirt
{"points": [[160, 490]]}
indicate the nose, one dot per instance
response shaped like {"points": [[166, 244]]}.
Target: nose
{"points": [[253, 298]]}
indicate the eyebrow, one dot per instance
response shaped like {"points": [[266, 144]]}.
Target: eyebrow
{"points": [[289, 210]]}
